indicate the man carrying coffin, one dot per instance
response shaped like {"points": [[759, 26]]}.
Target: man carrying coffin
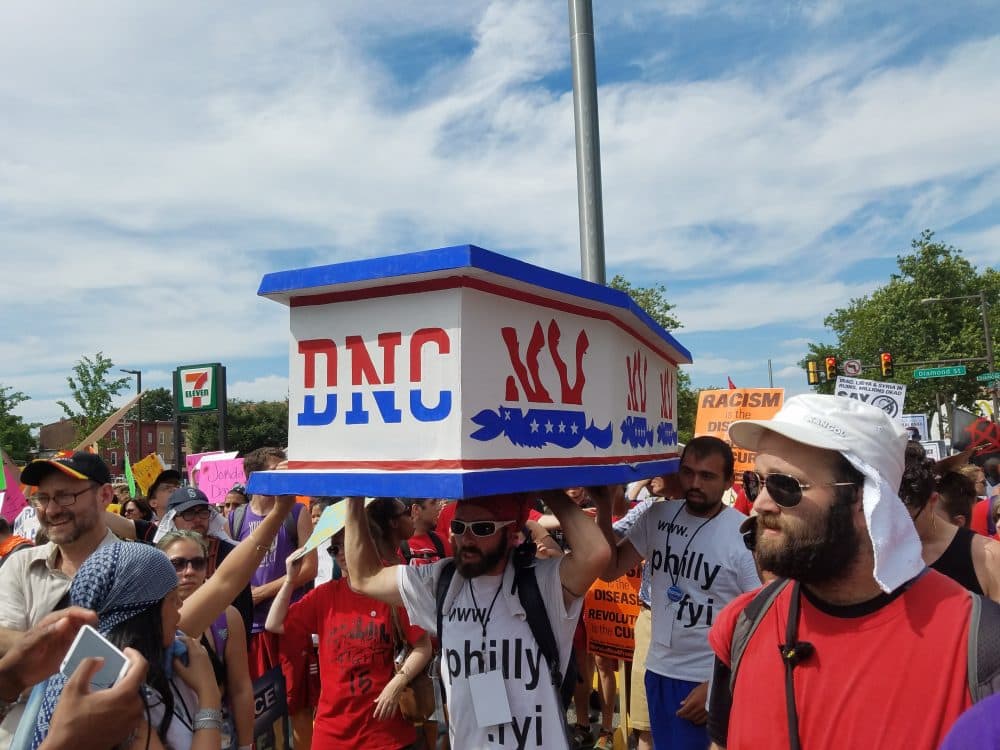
{"points": [[499, 688]]}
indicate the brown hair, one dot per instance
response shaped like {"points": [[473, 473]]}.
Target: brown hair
{"points": [[257, 460]]}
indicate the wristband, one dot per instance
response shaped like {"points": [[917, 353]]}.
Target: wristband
{"points": [[207, 718]]}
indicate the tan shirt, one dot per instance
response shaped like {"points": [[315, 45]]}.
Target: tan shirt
{"points": [[30, 587]]}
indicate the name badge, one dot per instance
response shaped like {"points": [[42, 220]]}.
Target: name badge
{"points": [[489, 698]]}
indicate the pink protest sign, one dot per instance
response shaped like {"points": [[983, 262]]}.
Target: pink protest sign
{"points": [[192, 460], [216, 478], [13, 498]]}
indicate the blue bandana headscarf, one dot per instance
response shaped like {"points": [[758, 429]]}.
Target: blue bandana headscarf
{"points": [[118, 581]]}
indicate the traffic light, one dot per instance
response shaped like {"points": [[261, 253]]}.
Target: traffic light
{"points": [[831, 368], [812, 372], [885, 359]]}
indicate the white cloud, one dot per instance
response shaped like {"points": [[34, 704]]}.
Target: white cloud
{"points": [[264, 388], [157, 159]]}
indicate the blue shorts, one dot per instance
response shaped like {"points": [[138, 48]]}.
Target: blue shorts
{"points": [[670, 732]]}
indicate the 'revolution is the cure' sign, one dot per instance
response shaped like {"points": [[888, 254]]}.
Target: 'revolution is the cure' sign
{"points": [[459, 372]]}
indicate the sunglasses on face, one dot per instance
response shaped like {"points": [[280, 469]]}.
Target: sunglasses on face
{"points": [[192, 513], [479, 528], [784, 489], [180, 563]]}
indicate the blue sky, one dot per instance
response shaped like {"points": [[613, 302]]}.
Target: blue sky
{"points": [[766, 161]]}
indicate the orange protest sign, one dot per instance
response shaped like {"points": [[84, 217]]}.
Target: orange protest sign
{"points": [[610, 610], [716, 409]]}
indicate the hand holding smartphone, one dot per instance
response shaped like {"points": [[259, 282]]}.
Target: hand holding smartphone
{"points": [[89, 642]]}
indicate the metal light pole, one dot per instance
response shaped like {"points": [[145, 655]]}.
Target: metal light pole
{"points": [[984, 309], [138, 407], [588, 140]]}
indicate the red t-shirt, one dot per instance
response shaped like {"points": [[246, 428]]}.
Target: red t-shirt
{"points": [[444, 526], [355, 663], [742, 502], [980, 521], [422, 549], [895, 678]]}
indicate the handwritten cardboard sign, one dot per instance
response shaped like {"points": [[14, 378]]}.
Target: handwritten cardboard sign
{"points": [[146, 471], [459, 372], [216, 478]]}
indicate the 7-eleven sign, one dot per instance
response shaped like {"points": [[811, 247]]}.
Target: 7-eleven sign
{"points": [[196, 387]]}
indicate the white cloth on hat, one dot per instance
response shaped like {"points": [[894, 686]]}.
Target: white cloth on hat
{"points": [[216, 526], [875, 445]]}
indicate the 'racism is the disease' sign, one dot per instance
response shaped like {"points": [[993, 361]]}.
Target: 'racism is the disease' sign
{"points": [[716, 409], [611, 610], [459, 372]]}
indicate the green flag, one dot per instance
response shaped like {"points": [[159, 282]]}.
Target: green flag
{"points": [[3, 474], [128, 477]]}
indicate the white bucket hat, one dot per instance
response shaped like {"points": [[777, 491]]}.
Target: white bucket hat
{"points": [[875, 445]]}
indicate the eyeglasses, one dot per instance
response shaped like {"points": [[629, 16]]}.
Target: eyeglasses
{"points": [[784, 489], [62, 499], [190, 514], [479, 528], [180, 563]]}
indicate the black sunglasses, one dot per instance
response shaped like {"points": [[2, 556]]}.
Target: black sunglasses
{"points": [[784, 489], [479, 528], [180, 563]]}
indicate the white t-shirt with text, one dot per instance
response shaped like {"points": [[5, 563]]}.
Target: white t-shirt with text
{"points": [[538, 720], [712, 566]]}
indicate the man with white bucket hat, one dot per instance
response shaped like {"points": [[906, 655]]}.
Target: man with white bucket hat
{"points": [[857, 644]]}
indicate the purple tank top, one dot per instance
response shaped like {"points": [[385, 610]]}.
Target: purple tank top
{"points": [[272, 566]]}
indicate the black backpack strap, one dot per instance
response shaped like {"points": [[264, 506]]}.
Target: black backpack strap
{"points": [[984, 648], [747, 623], [236, 519], [444, 582], [438, 543], [404, 547], [538, 620]]}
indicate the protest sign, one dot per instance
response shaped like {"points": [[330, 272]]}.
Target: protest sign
{"points": [[916, 425], [610, 610], [271, 728], [330, 522], [12, 500], [458, 372], [216, 478], [191, 462], [718, 408], [146, 471], [888, 397]]}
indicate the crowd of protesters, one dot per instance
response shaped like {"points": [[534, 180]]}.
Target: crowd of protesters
{"points": [[833, 597]]}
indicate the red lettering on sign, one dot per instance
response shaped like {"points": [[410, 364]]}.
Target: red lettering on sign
{"points": [[313, 348], [636, 397]]}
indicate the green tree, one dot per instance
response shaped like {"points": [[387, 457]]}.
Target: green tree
{"points": [[157, 406], [93, 393], [894, 319], [249, 425], [653, 300], [15, 433]]}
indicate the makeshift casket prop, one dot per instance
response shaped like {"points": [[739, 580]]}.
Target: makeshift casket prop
{"points": [[458, 372]]}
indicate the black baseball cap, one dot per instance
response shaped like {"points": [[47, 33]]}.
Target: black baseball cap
{"points": [[185, 498], [79, 465], [167, 475]]}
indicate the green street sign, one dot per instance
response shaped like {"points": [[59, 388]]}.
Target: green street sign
{"points": [[939, 372], [988, 376]]}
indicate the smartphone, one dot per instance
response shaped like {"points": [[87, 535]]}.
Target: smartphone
{"points": [[89, 642]]}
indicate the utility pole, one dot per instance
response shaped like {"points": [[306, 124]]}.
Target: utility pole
{"points": [[588, 140]]}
